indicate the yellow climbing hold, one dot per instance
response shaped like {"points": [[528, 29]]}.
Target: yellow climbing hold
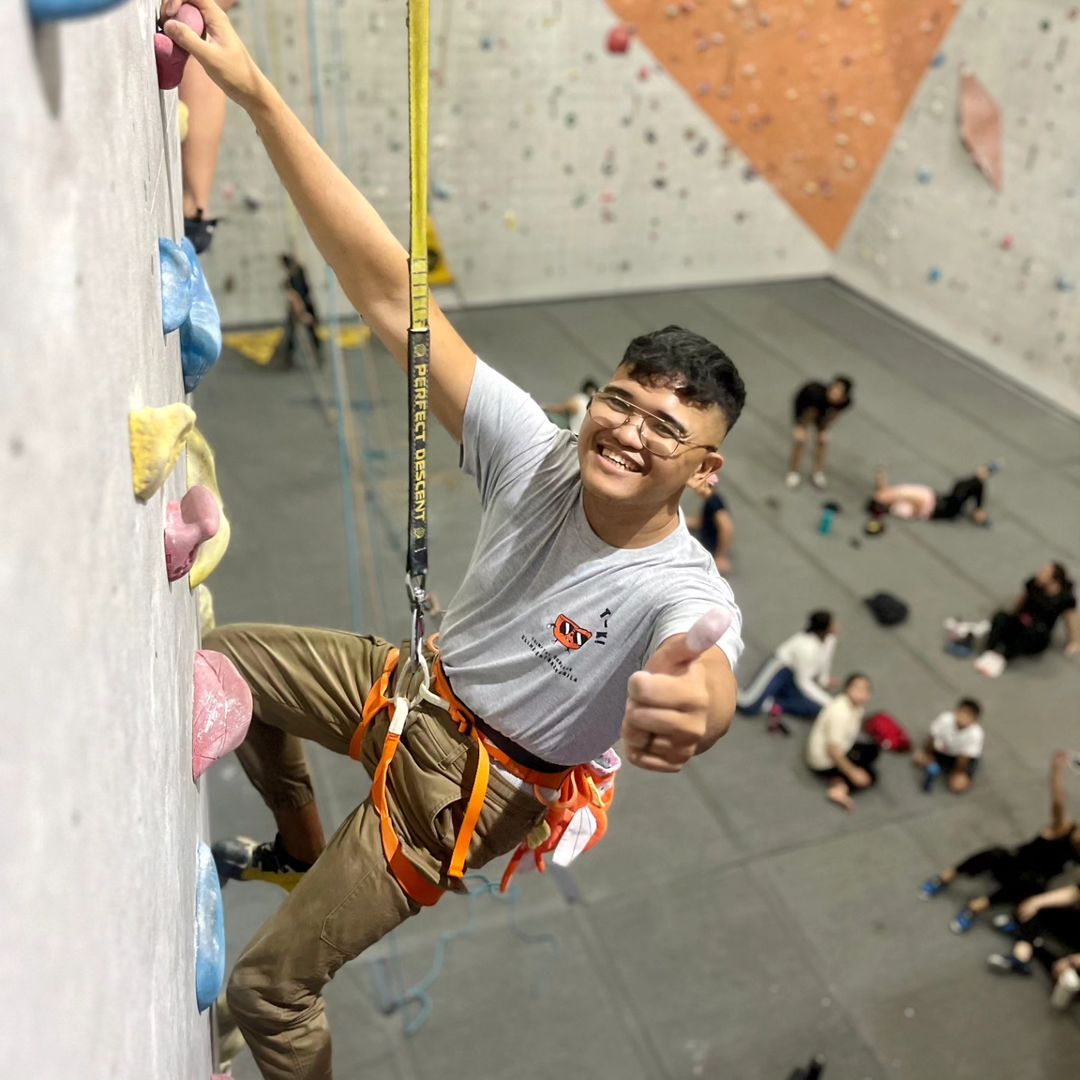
{"points": [[157, 437], [201, 470], [205, 602]]}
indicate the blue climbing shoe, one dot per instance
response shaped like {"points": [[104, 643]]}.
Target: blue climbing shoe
{"points": [[200, 335], [963, 922], [55, 10], [176, 285], [1005, 924], [933, 771], [1007, 965], [209, 931], [931, 888], [239, 858]]}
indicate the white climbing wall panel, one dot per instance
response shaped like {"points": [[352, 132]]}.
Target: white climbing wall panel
{"points": [[97, 879], [996, 274]]}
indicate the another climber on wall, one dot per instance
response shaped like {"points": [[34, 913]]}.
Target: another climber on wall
{"points": [[569, 629]]}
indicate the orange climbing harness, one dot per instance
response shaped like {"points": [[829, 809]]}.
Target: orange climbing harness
{"points": [[578, 798]]}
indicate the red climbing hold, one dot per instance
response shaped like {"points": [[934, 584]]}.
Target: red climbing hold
{"points": [[188, 523], [168, 56], [222, 710], [618, 39]]}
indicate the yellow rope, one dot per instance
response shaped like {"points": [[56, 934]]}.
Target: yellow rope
{"points": [[418, 161]]}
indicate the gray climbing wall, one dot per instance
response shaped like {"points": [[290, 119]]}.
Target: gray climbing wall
{"points": [[732, 141], [97, 879], [557, 167], [993, 273]]}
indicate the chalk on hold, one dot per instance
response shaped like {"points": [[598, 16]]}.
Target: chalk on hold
{"points": [[209, 930], [221, 712], [204, 601], [177, 284], [54, 10], [188, 523], [157, 437], [168, 56], [201, 470], [200, 335]]}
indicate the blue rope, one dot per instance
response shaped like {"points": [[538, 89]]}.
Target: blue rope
{"points": [[352, 540]]}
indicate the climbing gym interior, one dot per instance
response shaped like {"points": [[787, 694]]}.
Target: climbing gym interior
{"points": [[872, 207]]}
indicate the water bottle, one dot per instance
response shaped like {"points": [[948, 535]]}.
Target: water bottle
{"points": [[828, 513]]}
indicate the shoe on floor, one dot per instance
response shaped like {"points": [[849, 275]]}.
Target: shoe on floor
{"points": [[1005, 924], [963, 922], [1007, 965], [239, 858], [793, 480], [1065, 989], [819, 481], [991, 664], [931, 887]]}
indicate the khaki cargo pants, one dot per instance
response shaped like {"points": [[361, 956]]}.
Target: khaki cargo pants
{"points": [[311, 684]]}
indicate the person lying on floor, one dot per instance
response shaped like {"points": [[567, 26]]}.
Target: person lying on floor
{"points": [[1027, 629], [922, 503], [834, 750], [1047, 929], [797, 678], [953, 747], [1018, 872]]}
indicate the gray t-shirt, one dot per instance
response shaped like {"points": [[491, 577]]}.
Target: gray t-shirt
{"points": [[550, 621]]}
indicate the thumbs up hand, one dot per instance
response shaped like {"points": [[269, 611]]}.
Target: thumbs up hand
{"points": [[667, 703]]}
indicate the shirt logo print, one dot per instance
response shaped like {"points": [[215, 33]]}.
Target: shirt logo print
{"points": [[568, 634]]}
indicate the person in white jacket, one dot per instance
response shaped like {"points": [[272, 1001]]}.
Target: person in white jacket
{"points": [[797, 678]]}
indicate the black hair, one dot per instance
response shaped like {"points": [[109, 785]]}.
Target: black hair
{"points": [[856, 675], [846, 382], [1061, 576], [971, 705], [818, 622], [700, 372], [589, 386]]}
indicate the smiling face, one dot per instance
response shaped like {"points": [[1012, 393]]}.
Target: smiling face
{"points": [[616, 467]]}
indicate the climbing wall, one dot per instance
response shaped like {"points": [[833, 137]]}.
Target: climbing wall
{"points": [[994, 272], [558, 167], [98, 879]]}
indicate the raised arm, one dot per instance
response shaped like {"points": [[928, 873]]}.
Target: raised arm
{"points": [[370, 264]]}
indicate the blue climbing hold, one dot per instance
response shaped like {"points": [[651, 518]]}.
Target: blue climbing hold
{"points": [[176, 284], [200, 335], [933, 274], [209, 931], [55, 10], [924, 176], [938, 61]]}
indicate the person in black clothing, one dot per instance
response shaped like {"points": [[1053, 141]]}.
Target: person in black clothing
{"points": [[715, 529], [300, 311], [922, 503], [1027, 629], [816, 404], [1019, 872], [1047, 929]]}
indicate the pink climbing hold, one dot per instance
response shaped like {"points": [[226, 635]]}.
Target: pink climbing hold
{"points": [[618, 39], [190, 522], [222, 710], [168, 56]]}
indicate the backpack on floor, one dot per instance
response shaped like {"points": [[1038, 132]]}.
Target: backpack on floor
{"points": [[889, 610], [888, 733]]}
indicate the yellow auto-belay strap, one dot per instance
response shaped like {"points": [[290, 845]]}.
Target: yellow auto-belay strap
{"points": [[568, 793]]}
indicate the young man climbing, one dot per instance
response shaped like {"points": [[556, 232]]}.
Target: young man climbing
{"points": [[569, 630]]}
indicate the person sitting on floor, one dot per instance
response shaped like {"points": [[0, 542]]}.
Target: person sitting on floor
{"points": [[834, 750], [1019, 872], [953, 747], [922, 503], [1027, 629], [714, 529], [1047, 929], [796, 678]]}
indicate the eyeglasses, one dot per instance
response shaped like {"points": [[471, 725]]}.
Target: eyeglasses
{"points": [[657, 435]]}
